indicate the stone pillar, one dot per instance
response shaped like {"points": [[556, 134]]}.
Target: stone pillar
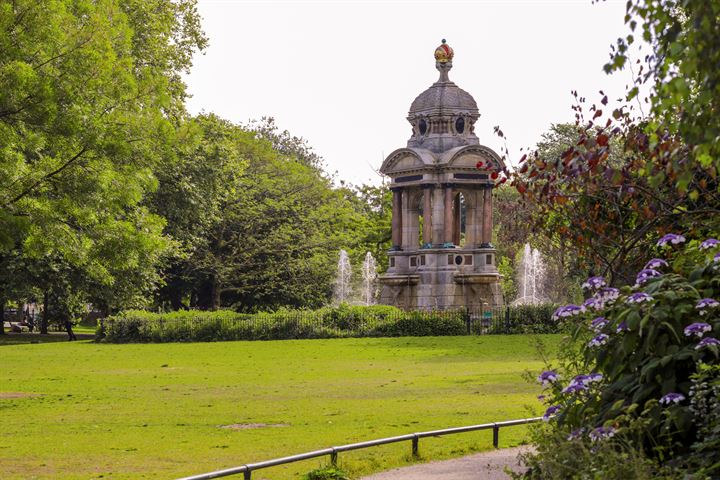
{"points": [[427, 214], [438, 213], [487, 216], [411, 219], [457, 227], [448, 221], [397, 219]]}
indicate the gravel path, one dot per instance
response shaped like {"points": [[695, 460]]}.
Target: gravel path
{"points": [[485, 466]]}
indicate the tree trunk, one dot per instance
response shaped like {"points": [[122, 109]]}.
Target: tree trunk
{"points": [[2, 316], [215, 294], [44, 318]]}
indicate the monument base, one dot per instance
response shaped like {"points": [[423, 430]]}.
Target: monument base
{"points": [[442, 279]]}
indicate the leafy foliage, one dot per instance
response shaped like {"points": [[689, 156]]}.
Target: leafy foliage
{"points": [[685, 85], [327, 322], [90, 94], [326, 473], [618, 180], [260, 229], [634, 356]]}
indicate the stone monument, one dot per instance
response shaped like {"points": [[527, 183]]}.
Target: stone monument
{"points": [[442, 256]]}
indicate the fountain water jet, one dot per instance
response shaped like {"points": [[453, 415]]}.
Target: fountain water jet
{"points": [[531, 278], [369, 272], [343, 278]]}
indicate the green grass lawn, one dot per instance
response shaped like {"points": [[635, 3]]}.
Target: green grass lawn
{"points": [[156, 411]]}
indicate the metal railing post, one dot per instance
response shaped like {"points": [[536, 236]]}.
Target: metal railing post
{"points": [[333, 458], [496, 436], [415, 442], [247, 474]]}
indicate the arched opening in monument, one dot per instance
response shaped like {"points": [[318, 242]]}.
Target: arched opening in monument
{"points": [[459, 218], [421, 230]]}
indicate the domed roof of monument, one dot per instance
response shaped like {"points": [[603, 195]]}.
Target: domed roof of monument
{"points": [[443, 97]]}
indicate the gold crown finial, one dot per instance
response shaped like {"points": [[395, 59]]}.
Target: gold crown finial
{"points": [[444, 53]]}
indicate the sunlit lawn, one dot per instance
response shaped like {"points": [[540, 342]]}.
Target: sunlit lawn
{"points": [[156, 411]]}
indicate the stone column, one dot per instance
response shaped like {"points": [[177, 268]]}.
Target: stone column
{"points": [[411, 219], [449, 223], [427, 214], [487, 216], [397, 218], [438, 213], [457, 227]]}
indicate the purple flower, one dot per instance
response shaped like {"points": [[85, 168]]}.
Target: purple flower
{"points": [[698, 329], [656, 263], [705, 304], [580, 382], [622, 327], [601, 433], [586, 379], [547, 377], [670, 238], [709, 243], [672, 398], [608, 294], [706, 342], [575, 434], [550, 412], [594, 283], [566, 311], [716, 258], [574, 388], [639, 297], [591, 303], [541, 398], [645, 275], [598, 341], [598, 324]]}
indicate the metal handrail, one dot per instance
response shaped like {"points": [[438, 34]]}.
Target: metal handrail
{"points": [[247, 469]]}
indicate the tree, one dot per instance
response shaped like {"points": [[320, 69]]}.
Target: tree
{"points": [[285, 143], [620, 182], [374, 205], [685, 81], [589, 185], [258, 225], [90, 95]]}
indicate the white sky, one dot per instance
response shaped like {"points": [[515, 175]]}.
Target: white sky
{"points": [[343, 74]]}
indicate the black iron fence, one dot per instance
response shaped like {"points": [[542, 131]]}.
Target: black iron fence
{"points": [[333, 452], [339, 322]]}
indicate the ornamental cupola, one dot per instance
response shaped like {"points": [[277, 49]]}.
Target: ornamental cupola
{"points": [[444, 115]]}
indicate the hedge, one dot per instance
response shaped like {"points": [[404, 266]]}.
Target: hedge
{"points": [[135, 326]]}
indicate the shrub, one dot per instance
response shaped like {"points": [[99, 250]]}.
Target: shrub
{"points": [[422, 324], [529, 319], [328, 322], [326, 473], [631, 360]]}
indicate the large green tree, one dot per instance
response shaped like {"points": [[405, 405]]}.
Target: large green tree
{"points": [[90, 96], [259, 225]]}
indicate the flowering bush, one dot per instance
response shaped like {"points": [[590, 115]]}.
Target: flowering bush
{"points": [[632, 357]]}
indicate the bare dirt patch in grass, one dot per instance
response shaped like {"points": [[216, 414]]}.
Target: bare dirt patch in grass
{"points": [[250, 426], [6, 395]]}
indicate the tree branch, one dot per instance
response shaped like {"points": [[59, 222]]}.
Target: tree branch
{"points": [[46, 177]]}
